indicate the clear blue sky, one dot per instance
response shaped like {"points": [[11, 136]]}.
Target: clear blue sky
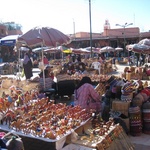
{"points": [[60, 14]]}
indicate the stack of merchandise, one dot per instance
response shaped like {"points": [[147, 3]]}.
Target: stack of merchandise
{"points": [[135, 121]]}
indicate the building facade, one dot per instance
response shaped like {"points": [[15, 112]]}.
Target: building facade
{"points": [[119, 37], [10, 28]]}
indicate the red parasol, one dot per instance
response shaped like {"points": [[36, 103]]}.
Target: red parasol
{"points": [[44, 35]]}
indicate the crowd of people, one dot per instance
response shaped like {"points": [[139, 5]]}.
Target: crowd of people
{"points": [[48, 80], [138, 59], [85, 93]]}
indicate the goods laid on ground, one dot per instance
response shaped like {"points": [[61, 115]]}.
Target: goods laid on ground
{"points": [[146, 117], [128, 103], [135, 121], [123, 60], [8, 68], [45, 119], [29, 115], [33, 113], [136, 73], [100, 135], [116, 91]]}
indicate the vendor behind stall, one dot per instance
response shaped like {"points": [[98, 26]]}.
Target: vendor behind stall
{"points": [[86, 96], [48, 81]]}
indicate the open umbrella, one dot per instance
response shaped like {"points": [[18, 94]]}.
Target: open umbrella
{"points": [[44, 36], [142, 46], [39, 49], [54, 49], [9, 40], [129, 47], [80, 51], [107, 49], [67, 51], [94, 49], [139, 48], [145, 42], [118, 49]]}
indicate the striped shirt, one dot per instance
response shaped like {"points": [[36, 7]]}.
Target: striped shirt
{"points": [[85, 95]]}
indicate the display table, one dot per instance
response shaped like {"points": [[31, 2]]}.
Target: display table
{"points": [[54, 144]]}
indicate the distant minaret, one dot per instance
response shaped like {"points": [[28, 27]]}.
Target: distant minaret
{"points": [[106, 27]]}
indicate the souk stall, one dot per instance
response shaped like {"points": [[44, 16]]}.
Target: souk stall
{"points": [[34, 117], [99, 135], [126, 100], [136, 73], [8, 68]]}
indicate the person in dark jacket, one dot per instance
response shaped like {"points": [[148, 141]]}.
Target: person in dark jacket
{"points": [[27, 66]]}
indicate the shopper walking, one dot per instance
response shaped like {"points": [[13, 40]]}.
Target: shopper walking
{"points": [[27, 66]]}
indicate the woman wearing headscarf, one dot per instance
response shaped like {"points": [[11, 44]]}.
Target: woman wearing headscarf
{"points": [[86, 96], [27, 66]]}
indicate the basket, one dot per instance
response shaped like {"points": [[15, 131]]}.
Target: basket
{"points": [[120, 106], [6, 83]]}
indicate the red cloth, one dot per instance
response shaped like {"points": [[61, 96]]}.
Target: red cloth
{"points": [[148, 72], [45, 60], [146, 91]]}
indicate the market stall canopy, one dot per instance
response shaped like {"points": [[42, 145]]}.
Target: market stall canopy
{"points": [[89, 48], [94, 49], [129, 47], [9, 40], [107, 49], [144, 42], [67, 51], [45, 36], [39, 49], [142, 46], [80, 51], [139, 48], [118, 49], [54, 49], [23, 49]]}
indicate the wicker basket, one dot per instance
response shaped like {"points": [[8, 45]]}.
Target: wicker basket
{"points": [[120, 106]]}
